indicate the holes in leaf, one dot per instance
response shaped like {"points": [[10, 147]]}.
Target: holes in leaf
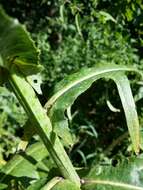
{"points": [[35, 81], [114, 162]]}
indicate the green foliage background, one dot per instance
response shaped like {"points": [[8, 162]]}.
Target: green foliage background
{"points": [[72, 35]]}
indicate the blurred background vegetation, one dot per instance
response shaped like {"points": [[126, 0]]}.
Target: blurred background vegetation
{"points": [[72, 34]]}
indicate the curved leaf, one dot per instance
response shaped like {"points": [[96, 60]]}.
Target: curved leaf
{"points": [[71, 87], [128, 104], [106, 16], [16, 47], [126, 176]]}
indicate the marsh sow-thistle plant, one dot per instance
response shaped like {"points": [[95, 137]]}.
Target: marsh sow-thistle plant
{"points": [[19, 59]]}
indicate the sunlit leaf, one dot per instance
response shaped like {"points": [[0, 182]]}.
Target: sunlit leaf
{"points": [[38, 184], [16, 47], [128, 104], [3, 186], [24, 163], [106, 16], [125, 176], [139, 94], [35, 81], [71, 87]]}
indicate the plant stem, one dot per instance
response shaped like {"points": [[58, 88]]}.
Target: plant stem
{"points": [[41, 121]]}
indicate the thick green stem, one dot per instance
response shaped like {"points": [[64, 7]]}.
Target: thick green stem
{"points": [[40, 120]]}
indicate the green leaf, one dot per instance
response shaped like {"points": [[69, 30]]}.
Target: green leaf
{"points": [[38, 184], [125, 176], [129, 14], [64, 185], [56, 183], [77, 20], [139, 94], [141, 139], [3, 186], [29, 131], [71, 87], [35, 81], [16, 47], [24, 164], [106, 17], [128, 104]]}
